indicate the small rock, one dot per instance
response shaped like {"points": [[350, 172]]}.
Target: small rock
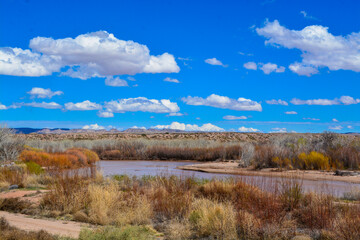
{"points": [[13, 187]]}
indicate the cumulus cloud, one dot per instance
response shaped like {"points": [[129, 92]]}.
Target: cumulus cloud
{"points": [[277, 102], [291, 112], [230, 117], [115, 82], [240, 104], [319, 47], [278, 130], [208, 127], [302, 69], [214, 61], [344, 100], [96, 54], [245, 129], [250, 65], [136, 127], [37, 92], [337, 128], [175, 114], [2, 107], [268, 68], [93, 127], [105, 114], [142, 104], [171, 80], [335, 120], [82, 106], [19, 62]]}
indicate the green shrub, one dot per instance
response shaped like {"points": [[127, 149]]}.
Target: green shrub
{"points": [[113, 233], [34, 168]]}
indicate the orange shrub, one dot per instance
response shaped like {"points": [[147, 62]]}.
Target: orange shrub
{"points": [[72, 158]]}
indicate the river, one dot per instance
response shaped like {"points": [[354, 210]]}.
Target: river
{"points": [[167, 168]]}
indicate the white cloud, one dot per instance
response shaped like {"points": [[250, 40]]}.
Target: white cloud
{"points": [[338, 127], [214, 61], [2, 107], [93, 127], [350, 127], [240, 104], [268, 68], [245, 129], [291, 112], [175, 114], [319, 47], [278, 130], [250, 65], [277, 102], [303, 70], [96, 54], [105, 114], [82, 106], [115, 82], [208, 127], [19, 62], [37, 92], [335, 120], [171, 80], [142, 104], [313, 119], [306, 15], [136, 127], [46, 105], [344, 100], [230, 117]]}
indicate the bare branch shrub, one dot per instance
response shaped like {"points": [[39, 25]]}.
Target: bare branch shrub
{"points": [[10, 145]]}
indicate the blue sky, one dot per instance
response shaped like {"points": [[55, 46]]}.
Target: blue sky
{"points": [[104, 64]]}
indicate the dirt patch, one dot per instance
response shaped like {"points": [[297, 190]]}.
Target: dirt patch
{"points": [[55, 227], [232, 168], [32, 196]]}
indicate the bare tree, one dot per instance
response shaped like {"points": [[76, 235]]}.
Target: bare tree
{"points": [[10, 145]]}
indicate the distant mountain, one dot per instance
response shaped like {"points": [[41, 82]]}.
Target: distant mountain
{"points": [[67, 130], [36, 130]]}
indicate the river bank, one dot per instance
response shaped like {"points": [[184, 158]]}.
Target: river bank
{"points": [[233, 169]]}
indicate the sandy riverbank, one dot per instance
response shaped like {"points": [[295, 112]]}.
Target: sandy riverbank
{"points": [[232, 168]]}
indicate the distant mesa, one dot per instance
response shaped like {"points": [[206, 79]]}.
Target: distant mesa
{"points": [[67, 130]]}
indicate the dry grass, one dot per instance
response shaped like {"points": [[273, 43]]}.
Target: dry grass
{"points": [[213, 219]]}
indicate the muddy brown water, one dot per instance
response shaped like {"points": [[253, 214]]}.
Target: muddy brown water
{"points": [[167, 168]]}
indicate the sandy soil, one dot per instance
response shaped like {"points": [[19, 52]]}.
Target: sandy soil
{"points": [[32, 196], [232, 168], [56, 227]]}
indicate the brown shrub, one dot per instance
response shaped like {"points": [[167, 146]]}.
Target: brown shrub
{"points": [[263, 157], [13, 175], [316, 211], [347, 225], [68, 194]]}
